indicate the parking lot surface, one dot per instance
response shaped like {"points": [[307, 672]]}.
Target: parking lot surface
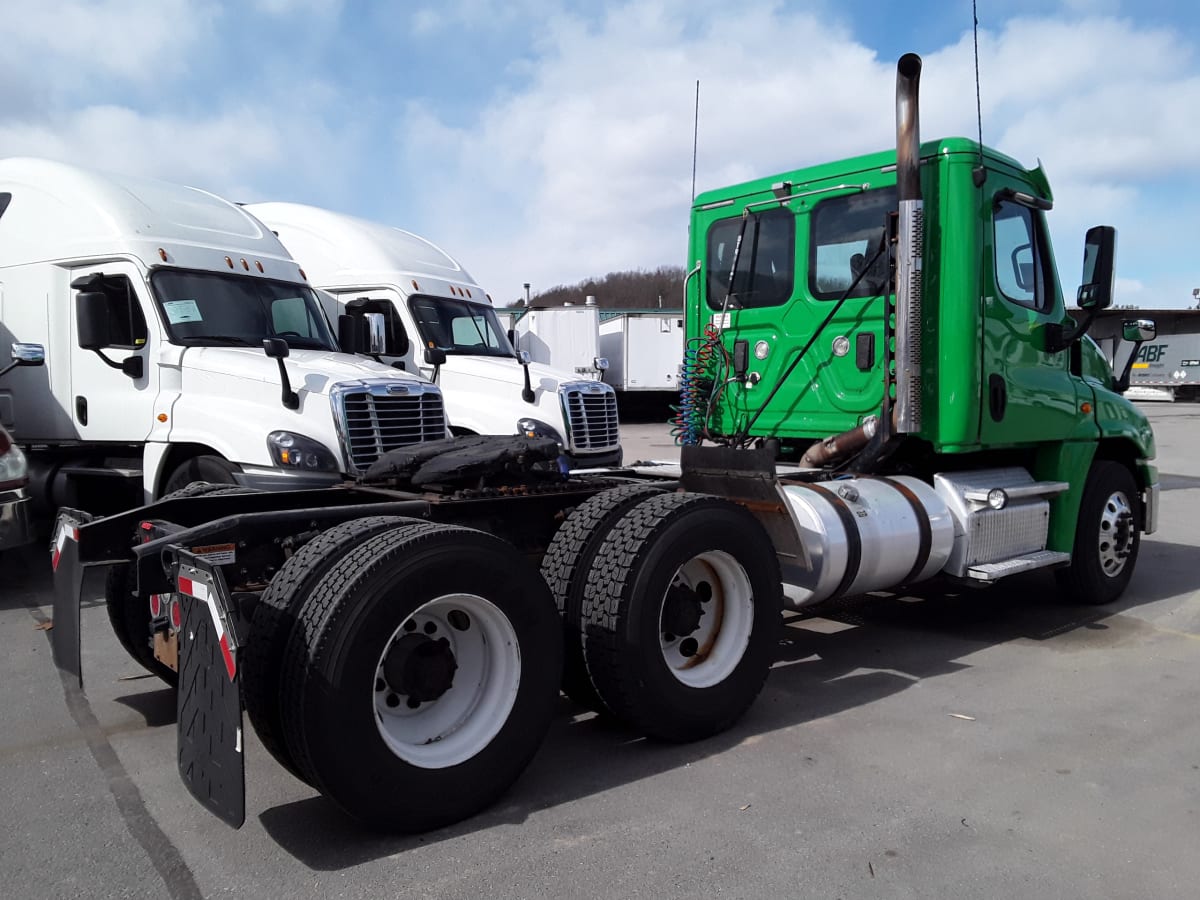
{"points": [[953, 743]]}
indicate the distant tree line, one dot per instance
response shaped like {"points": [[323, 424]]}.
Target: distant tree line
{"points": [[637, 289]]}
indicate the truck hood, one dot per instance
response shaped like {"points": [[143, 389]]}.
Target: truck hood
{"points": [[310, 370], [504, 369]]}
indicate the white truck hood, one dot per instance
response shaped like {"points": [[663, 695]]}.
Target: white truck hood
{"points": [[310, 370]]}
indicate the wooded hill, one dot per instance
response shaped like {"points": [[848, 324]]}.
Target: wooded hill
{"points": [[639, 289]]}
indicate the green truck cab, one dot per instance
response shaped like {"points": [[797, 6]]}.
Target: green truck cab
{"points": [[793, 335]]}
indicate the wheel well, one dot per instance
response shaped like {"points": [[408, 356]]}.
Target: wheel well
{"points": [[176, 457], [1121, 451]]}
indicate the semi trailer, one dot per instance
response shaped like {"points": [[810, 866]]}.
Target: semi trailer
{"points": [[444, 327], [180, 342], [882, 387]]}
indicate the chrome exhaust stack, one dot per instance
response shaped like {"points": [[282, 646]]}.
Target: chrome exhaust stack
{"points": [[910, 246]]}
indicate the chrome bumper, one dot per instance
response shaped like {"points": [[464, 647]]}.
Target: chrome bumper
{"points": [[16, 519]]}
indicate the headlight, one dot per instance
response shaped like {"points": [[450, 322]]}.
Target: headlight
{"points": [[294, 451], [538, 428], [13, 471]]}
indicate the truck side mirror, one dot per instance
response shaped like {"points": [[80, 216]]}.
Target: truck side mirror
{"points": [[376, 327], [276, 348], [93, 324], [1099, 251], [28, 354], [25, 355], [348, 329], [1139, 330], [435, 356]]}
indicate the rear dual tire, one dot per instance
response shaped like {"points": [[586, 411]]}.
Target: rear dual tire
{"points": [[681, 615], [421, 676]]}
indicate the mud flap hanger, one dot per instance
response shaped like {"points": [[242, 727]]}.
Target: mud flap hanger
{"points": [[208, 708]]}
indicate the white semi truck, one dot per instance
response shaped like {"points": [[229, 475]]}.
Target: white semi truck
{"points": [[441, 323], [181, 343]]}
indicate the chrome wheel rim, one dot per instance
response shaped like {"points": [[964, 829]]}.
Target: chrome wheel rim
{"points": [[1117, 534]]}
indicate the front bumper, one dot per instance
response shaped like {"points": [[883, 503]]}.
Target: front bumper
{"points": [[604, 460], [264, 479], [16, 519]]}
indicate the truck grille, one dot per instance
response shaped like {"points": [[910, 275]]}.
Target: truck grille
{"points": [[591, 414], [376, 418]]}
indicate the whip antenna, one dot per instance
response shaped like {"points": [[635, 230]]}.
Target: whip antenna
{"points": [[695, 137], [978, 174]]}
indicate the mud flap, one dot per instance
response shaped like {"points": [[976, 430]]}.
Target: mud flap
{"points": [[209, 699], [68, 588]]}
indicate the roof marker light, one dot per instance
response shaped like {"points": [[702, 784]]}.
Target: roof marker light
{"points": [[229, 262], [416, 287], [258, 265], [302, 275], [162, 254], [245, 265]]}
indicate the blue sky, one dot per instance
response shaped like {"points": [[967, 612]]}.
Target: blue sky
{"points": [[549, 140]]}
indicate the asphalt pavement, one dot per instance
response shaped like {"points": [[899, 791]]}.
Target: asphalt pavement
{"points": [[954, 743]]}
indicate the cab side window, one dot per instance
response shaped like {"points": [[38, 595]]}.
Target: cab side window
{"points": [[127, 324], [1020, 274], [766, 260]]}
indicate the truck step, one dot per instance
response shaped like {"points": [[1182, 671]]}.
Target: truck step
{"points": [[1040, 559]]}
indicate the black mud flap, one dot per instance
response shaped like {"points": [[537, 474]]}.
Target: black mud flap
{"points": [[68, 587], [209, 701]]}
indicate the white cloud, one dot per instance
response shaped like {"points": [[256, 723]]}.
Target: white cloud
{"points": [[588, 169]]}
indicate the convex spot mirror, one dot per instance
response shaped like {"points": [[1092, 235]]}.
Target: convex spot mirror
{"points": [[1139, 330], [28, 354], [1099, 252]]}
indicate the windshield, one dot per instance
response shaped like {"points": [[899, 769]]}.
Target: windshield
{"points": [[209, 309], [459, 327]]}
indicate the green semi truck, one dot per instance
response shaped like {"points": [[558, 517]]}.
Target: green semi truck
{"points": [[881, 386]]}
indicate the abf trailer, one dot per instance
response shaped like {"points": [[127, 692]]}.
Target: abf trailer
{"points": [[441, 323], [181, 342], [879, 351]]}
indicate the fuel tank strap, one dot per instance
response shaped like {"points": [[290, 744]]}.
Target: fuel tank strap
{"points": [[924, 532], [853, 538]]}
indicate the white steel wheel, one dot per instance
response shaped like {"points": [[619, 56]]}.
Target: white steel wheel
{"points": [[1117, 529], [446, 681], [707, 619]]}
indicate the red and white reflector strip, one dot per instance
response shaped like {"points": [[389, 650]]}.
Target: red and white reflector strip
{"points": [[65, 533], [200, 591]]}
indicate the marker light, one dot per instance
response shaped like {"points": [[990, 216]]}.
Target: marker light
{"points": [[997, 498]]}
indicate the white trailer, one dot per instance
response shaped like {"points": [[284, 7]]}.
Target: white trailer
{"points": [[441, 323], [165, 314], [566, 337], [644, 350], [1166, 369]]}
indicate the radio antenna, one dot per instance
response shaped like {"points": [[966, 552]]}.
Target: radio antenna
{"points": [[979, 174], [695, 137]]}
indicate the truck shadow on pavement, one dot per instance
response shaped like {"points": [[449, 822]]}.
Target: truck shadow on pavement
{"points": [[832, 658]]}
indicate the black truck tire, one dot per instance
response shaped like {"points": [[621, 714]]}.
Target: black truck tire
{"points": [[682, 614], [1107, 537], [275, 615], [207, 469], [565, 567], [129, 615], [421, 676]]}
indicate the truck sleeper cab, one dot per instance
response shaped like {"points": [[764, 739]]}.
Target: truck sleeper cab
{"points": [[441, 323], [153, 302]]}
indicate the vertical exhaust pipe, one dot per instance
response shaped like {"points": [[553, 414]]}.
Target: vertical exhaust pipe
{"points": [[911, 246]]}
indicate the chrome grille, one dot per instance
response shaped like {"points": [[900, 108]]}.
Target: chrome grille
{"points": [[591, 413], [377, 418]]}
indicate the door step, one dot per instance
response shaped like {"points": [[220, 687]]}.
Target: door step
{"points": [[1040, 559]]}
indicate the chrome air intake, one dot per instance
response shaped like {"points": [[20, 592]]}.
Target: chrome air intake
{"points": [[590, 411], [374, 417], [911, 246]]}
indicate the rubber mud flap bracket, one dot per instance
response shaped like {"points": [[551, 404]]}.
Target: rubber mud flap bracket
{"points": [[68, 586], [209, 699]]}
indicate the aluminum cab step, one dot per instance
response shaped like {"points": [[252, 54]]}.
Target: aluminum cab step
{"points": [[1041, 559]]}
